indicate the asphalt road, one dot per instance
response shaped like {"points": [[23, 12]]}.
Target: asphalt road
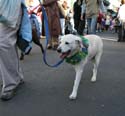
{"points": [[46, 90]]}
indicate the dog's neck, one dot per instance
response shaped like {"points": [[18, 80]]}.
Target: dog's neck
{"points": [[77, 57]]}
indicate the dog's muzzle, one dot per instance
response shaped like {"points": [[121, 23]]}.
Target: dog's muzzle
{"points": [[63, 54]]}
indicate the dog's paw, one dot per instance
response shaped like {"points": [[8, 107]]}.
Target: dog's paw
{"points": [[93, 79], [72, 97]]}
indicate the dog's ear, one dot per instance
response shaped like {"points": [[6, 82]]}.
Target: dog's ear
{"points": [[79, 43]]}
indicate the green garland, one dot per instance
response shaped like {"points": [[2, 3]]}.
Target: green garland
{"points": [[84, 40], [76, 58]]}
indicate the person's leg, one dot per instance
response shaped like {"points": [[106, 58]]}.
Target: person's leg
{"points": [[81, 27], [54, 42], [76, 24], [9, 61], [62, 22], [72, 23], [49, 46], [93, 24], [10, 70], [100, 27], [89, 25]]}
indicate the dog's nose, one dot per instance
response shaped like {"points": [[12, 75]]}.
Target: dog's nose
{"points": [[59, 50]]}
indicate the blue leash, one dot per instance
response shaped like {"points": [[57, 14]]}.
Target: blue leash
{"points": [[47, 34]]}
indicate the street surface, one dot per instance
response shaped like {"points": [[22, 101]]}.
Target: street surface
{"points": [[46, 90]]}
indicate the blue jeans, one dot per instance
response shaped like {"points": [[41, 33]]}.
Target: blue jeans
{"points": [[91, 22]]}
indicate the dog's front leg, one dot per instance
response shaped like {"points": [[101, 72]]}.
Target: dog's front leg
{"points": [[79, 70]]}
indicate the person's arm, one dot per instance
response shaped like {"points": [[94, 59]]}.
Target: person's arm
{"points": [[62, 9], [83, 9], [101, 6]]}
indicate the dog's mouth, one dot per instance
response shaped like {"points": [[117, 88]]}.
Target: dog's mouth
{"points": [[65, 54]]}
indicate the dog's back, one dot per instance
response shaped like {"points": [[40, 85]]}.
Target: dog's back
{"points": [[95, 44]]}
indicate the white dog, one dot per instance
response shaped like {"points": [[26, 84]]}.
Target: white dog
{"points": [[72, 45]]}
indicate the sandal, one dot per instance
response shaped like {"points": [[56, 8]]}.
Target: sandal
{"points": [[49, 46]]}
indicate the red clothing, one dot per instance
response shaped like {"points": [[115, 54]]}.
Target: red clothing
{"points": [[100, 16]]}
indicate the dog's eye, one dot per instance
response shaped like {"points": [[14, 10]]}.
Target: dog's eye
{"points": [[67, 43]]}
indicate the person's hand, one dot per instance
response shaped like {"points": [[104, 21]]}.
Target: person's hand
{"points": [[39, 9], [81, 18]]}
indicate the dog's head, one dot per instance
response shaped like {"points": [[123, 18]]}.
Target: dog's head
{"points": [[69, 45]]}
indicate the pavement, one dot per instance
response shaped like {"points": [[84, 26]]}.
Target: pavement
{"points": [[109, 35], [46, 90]]}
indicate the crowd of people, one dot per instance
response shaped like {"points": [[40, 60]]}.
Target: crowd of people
{"points": [[92, 12], [79, 18], [58, 12], [107, 23]]}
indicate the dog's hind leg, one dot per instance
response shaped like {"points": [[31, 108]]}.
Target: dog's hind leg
{"points": [[96, 62]]}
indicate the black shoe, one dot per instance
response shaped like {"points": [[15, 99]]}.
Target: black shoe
{"points": [[5, 96]]}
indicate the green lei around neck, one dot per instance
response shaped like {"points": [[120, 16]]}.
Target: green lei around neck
{"points": [[77, 57]]}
